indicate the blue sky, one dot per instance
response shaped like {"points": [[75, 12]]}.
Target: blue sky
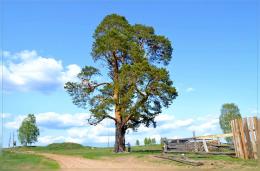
{"points": [[46, 42]]}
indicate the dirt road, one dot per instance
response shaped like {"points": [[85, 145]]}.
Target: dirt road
{"points": [[72, 163]]}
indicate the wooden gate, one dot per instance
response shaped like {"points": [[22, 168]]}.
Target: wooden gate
{"points": [[246, 137]]}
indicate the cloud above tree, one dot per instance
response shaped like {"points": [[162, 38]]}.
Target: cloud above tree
{"points": [[29, 71]]}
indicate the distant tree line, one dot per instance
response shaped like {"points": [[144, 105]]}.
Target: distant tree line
{"points": [[149, 141]]}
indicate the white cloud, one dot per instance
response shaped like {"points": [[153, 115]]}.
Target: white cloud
{"points": [[15, 123], [253, 112], [190, 89], [45, 140], [176, 124], [164, 117], [52, 120], [205, 124], [6, 115], [58, 127], [85, 135], [50, 139], [6, 54], [28, 71]]}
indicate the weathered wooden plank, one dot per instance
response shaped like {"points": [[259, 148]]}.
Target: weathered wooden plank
{"points": [[234, 136], [205, 146], [244, 148], [252, 132], [218, 153], [237, 146], [204, 153], [248, 143], [238, 135], [256, 142], [215, 136], [257, 126], [195, 142], [182, 160]]}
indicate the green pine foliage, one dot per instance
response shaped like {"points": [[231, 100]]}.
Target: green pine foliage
{"points": [[137, 143], [144, 88], [149, 141], [138, 85]]}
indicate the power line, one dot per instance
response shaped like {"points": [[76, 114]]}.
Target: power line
{"points": [[2, 77], [257, 58], [257, 76]]}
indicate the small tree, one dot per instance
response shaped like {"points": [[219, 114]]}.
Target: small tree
{"points": [[149, 141], [145, 141], [229, 112], [137, 143], [28, 131], [153, 141]]}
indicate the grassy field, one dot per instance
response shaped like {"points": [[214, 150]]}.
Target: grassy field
{"points": [[24, 162], [18, 160], [92, 152]]}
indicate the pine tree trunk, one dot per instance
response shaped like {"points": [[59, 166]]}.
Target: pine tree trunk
{"points": [[119, 138], [120, 129]]}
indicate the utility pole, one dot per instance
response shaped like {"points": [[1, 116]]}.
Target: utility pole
{"points": [[107, 135], [9, 143], [13, 139]]}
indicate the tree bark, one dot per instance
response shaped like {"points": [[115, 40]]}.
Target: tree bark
{"points": [[119, 138], [120, 128]]}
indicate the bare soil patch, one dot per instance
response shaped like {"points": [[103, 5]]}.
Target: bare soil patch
{"points": [[131, 163], [127, 163]]}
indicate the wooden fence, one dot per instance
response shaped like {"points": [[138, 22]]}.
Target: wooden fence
{"points": [[246, 137]]}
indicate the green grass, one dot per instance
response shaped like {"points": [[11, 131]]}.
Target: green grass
{"points": [[64, 146], [137, 151], [92, 152], [24, 162], [224, 158]]}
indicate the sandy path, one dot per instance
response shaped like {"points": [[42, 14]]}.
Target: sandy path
{"points": [[72, 163]]}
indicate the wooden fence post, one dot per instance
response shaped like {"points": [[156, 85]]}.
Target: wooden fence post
{"points": [[195, 142], [253, 131], [248, 140], [258, 138], [246, 137], [235, 138], [244, 145], [205, 146]]}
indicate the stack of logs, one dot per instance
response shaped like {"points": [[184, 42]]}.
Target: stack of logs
{"points": [[195, 145]]}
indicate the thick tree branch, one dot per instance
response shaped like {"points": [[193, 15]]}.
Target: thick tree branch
{"points": [[100, 84], [139, 91], [127, 119], [110, 117], [94, 86]]}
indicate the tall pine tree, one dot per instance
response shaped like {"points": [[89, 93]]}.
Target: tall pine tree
{"points": [[138, 85]]}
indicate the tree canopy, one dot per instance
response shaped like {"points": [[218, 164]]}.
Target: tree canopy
{"points": [[28, 131], [137, 143], [138, 84], [229, 112]]}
